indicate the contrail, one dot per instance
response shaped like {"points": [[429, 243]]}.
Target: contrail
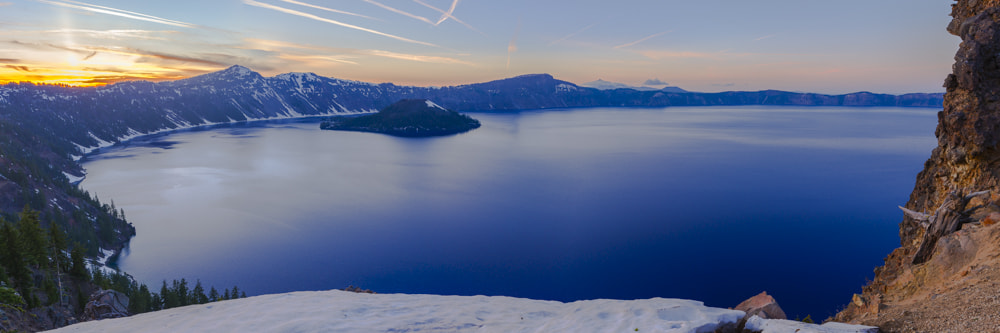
{"points": [[451, 10], [642, 40], [447, 15], [394, 10], [317, 18], [573, 34], [326, 9], [118, 12]]}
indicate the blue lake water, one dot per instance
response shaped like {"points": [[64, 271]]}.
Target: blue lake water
{"points": [[707, 203]]}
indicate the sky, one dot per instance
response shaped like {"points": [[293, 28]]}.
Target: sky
{"points": [[834, 47]]}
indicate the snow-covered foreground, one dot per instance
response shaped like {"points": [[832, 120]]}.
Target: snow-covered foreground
{"points": [[340, 311]]}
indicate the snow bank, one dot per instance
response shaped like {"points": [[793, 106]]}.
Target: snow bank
{"points": [[756, 323], [340, 311]]}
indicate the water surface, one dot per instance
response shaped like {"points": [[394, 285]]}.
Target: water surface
{"points": [[708, 203]]}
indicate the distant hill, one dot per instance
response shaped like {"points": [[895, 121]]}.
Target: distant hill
{"points": [[608, 85], [407, 118]]}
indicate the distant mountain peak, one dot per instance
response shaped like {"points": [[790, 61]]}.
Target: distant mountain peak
{"points": [[238, 70], [601, 84], [544, 76]]}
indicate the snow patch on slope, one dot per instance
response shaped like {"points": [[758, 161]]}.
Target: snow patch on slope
{"points": [[432, 105], [340, 311]]}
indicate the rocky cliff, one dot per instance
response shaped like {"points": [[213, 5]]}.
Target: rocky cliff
{"points": [[946, 272]]}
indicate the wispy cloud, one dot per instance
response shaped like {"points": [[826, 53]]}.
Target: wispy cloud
{"points": [[8, 60], [6, 4], [573, 34], [321, 19], [19, 68], [300, 3], [763, 38], [91, 51], [117, 12], [313, 58], [348, 53], [642, 39], [662, 54], [397, 11], [512, 45], [418, 58], [448, 14]]}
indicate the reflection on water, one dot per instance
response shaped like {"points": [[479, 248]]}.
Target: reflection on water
{"points": [[714, 204]]}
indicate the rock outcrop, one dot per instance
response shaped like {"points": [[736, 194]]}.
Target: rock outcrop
{"points": [[105, 304], [944, 275]]}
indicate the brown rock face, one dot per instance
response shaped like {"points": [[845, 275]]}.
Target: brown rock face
{"points": [[967, 160], [762, 305]]}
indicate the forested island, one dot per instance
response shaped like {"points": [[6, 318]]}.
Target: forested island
{"points": [[407, 118]]}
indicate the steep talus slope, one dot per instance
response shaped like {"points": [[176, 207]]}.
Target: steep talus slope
{"points": [[951, 286]]}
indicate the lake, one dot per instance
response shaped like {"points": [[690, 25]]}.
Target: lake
{"points": [[709, 203]]}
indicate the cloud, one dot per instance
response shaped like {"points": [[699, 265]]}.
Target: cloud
{"points": [[325, 8], [346, 53], [512, 45], [726, 85], [418, 58], [19, 68], [642, 39], [6, 4], [448, 14], [117, 12], [397, 11], [48, 47], [314, 58], [9, 60], [662, 54], [655, 82], [763, 38], [317, 18], [573, 34], [158, 55], [114, 34]]}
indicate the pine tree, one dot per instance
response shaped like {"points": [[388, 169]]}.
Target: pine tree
{"points": [[183, 296], [140, 300], [33, 240], [169, 296], [57, 238], [213, 295], [198, 294], [170, 299], [79, 266], [235, 294], [243, 294], [12, 257], [156, 303], [225, 295]]}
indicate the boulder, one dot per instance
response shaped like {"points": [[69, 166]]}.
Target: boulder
{"points": [[762, 305], [105, 304]]}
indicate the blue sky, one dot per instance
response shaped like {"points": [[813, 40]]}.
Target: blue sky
{"points": [[889, 46]]}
